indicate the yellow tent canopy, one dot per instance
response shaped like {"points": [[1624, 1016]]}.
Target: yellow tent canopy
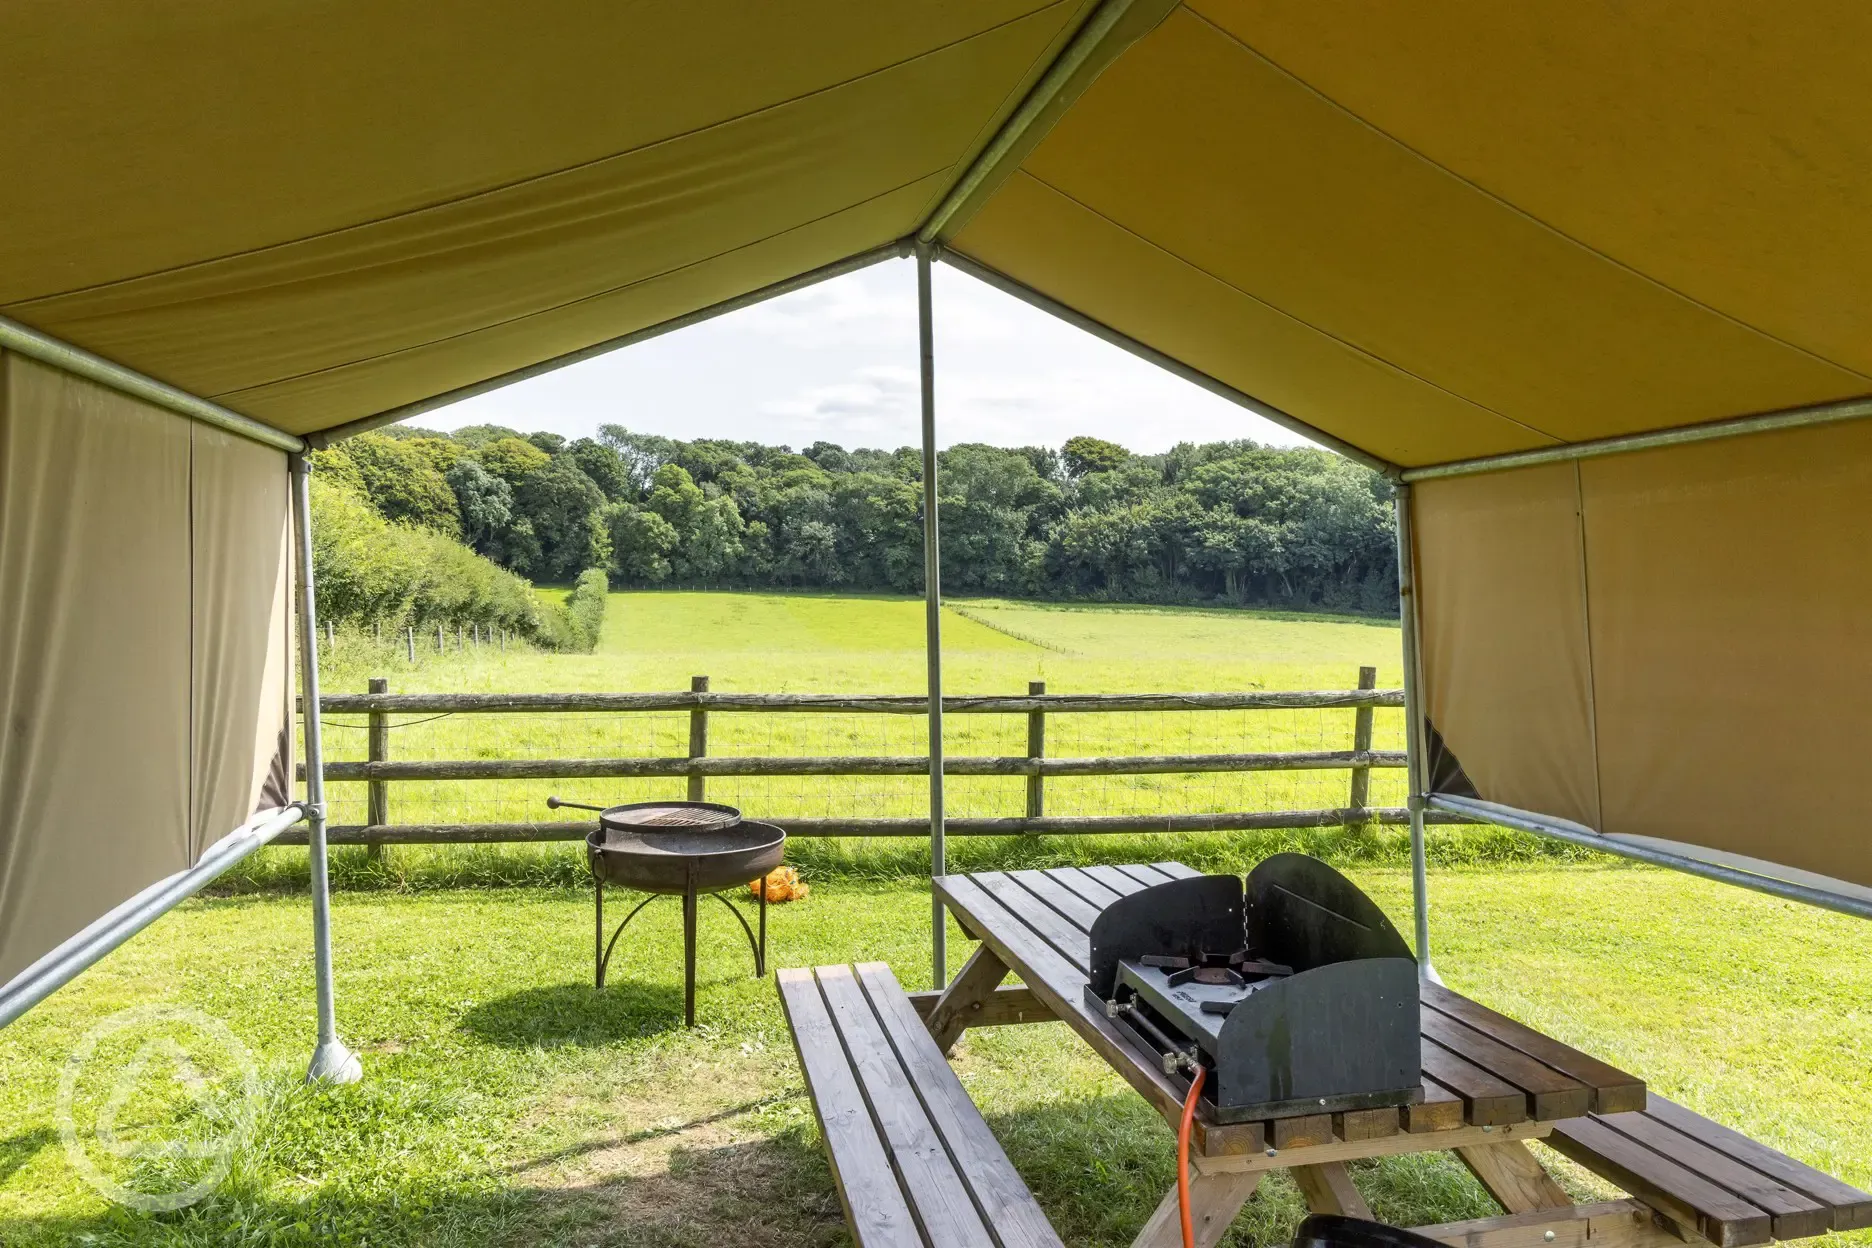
{"points": [[1426, 235]]}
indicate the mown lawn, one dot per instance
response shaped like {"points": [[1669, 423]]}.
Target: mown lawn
{"points": [[506, 1102]]}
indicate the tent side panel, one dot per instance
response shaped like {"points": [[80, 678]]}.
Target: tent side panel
{"points": [[1505, 656], [1732, 634], [240, 699], [94, 653]]}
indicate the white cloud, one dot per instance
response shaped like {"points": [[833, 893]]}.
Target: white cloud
{"points": [[838, 362], [876, 400]]}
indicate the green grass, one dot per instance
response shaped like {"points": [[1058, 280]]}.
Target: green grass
{"points": [[507, 1103]]}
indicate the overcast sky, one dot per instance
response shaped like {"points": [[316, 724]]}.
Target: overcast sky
{"points": [[838, 362]]}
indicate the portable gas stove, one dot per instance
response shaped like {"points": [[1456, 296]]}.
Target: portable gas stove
{"points": [[1295, 992]]}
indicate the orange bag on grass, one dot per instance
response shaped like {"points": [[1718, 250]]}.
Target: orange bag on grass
{"points": [[783, 884]]}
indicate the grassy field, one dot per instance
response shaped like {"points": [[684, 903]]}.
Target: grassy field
{"points": [[507, 1103]]}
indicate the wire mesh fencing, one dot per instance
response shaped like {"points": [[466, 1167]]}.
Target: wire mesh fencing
{"points": [[1098, 759]]}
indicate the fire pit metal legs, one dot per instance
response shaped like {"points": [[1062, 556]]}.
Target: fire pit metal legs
{"points": [[602, 949]]}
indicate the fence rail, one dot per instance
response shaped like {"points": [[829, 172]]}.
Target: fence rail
{"points": [[379, 769], [871, 704]]}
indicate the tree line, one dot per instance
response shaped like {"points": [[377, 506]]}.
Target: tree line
{"points": [[1230, 522]]}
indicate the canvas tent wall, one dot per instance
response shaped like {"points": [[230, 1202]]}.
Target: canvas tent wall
{"points": [[144, 666], [1427, 235]]}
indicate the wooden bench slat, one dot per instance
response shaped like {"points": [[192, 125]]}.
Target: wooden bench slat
{"points": [[1852, 1208], [1074, 945], [880, 1216], [1082, 885], [1550, 1094], [937, 1194], [1144, 874], [1796, 1216], [1002, 1197], [1682, 1195], [1176, 870], [1614, 1091], [1114, 879], [1068, 904], [1487, 1101]]}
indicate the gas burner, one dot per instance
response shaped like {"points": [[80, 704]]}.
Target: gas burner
{"points": [[1295, 993], [1211, 975]]}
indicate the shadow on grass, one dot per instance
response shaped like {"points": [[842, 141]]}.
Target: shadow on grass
{"points": [[772, 1192], [17, 1150], [576, 1014]]}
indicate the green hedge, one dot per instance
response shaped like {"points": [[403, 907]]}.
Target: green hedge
{"points": [[371, 571], [576, 625]]}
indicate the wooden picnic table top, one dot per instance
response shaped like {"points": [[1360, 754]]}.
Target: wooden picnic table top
{"points": [[1486, 1078]]}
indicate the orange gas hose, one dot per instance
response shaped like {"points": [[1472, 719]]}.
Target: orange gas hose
{"points": [[1183, 1138]]}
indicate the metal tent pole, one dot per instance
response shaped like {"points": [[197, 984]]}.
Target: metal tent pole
{"points": [[1855, 903], [1627, 443], [76, 954], [838, 268], [67, 358], [1170, 364], [932, 615], [1413, 730], [332, 1062]]}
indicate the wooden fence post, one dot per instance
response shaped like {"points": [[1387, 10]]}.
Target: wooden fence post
{"points": [[409, 638], [440, 644], [1359, 798], [377, 801], [698, 737], [1036, 750]]}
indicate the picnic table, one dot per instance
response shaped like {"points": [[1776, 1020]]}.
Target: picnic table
{"points": [[1489, 1085], [916, 1165]]}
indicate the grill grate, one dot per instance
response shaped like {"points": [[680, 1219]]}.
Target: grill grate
{"points": [[672, 816]]}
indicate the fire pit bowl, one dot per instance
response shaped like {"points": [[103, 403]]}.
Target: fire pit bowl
{"points": [[678, 849], [672, 863]]}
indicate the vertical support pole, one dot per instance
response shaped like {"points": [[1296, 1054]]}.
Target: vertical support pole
{"points": [[932, 616], [409, 638], [1413, 727], [1036, 750], [377, 750], [1359, 798], [688, 949], [598, 966], [331, 1060], [760, 956], [698, 737]]}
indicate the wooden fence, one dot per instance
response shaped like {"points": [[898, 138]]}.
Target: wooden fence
{"points": [[379, 769]]}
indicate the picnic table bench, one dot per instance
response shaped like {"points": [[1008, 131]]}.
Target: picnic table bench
{"points": [[1489, 1085]]}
